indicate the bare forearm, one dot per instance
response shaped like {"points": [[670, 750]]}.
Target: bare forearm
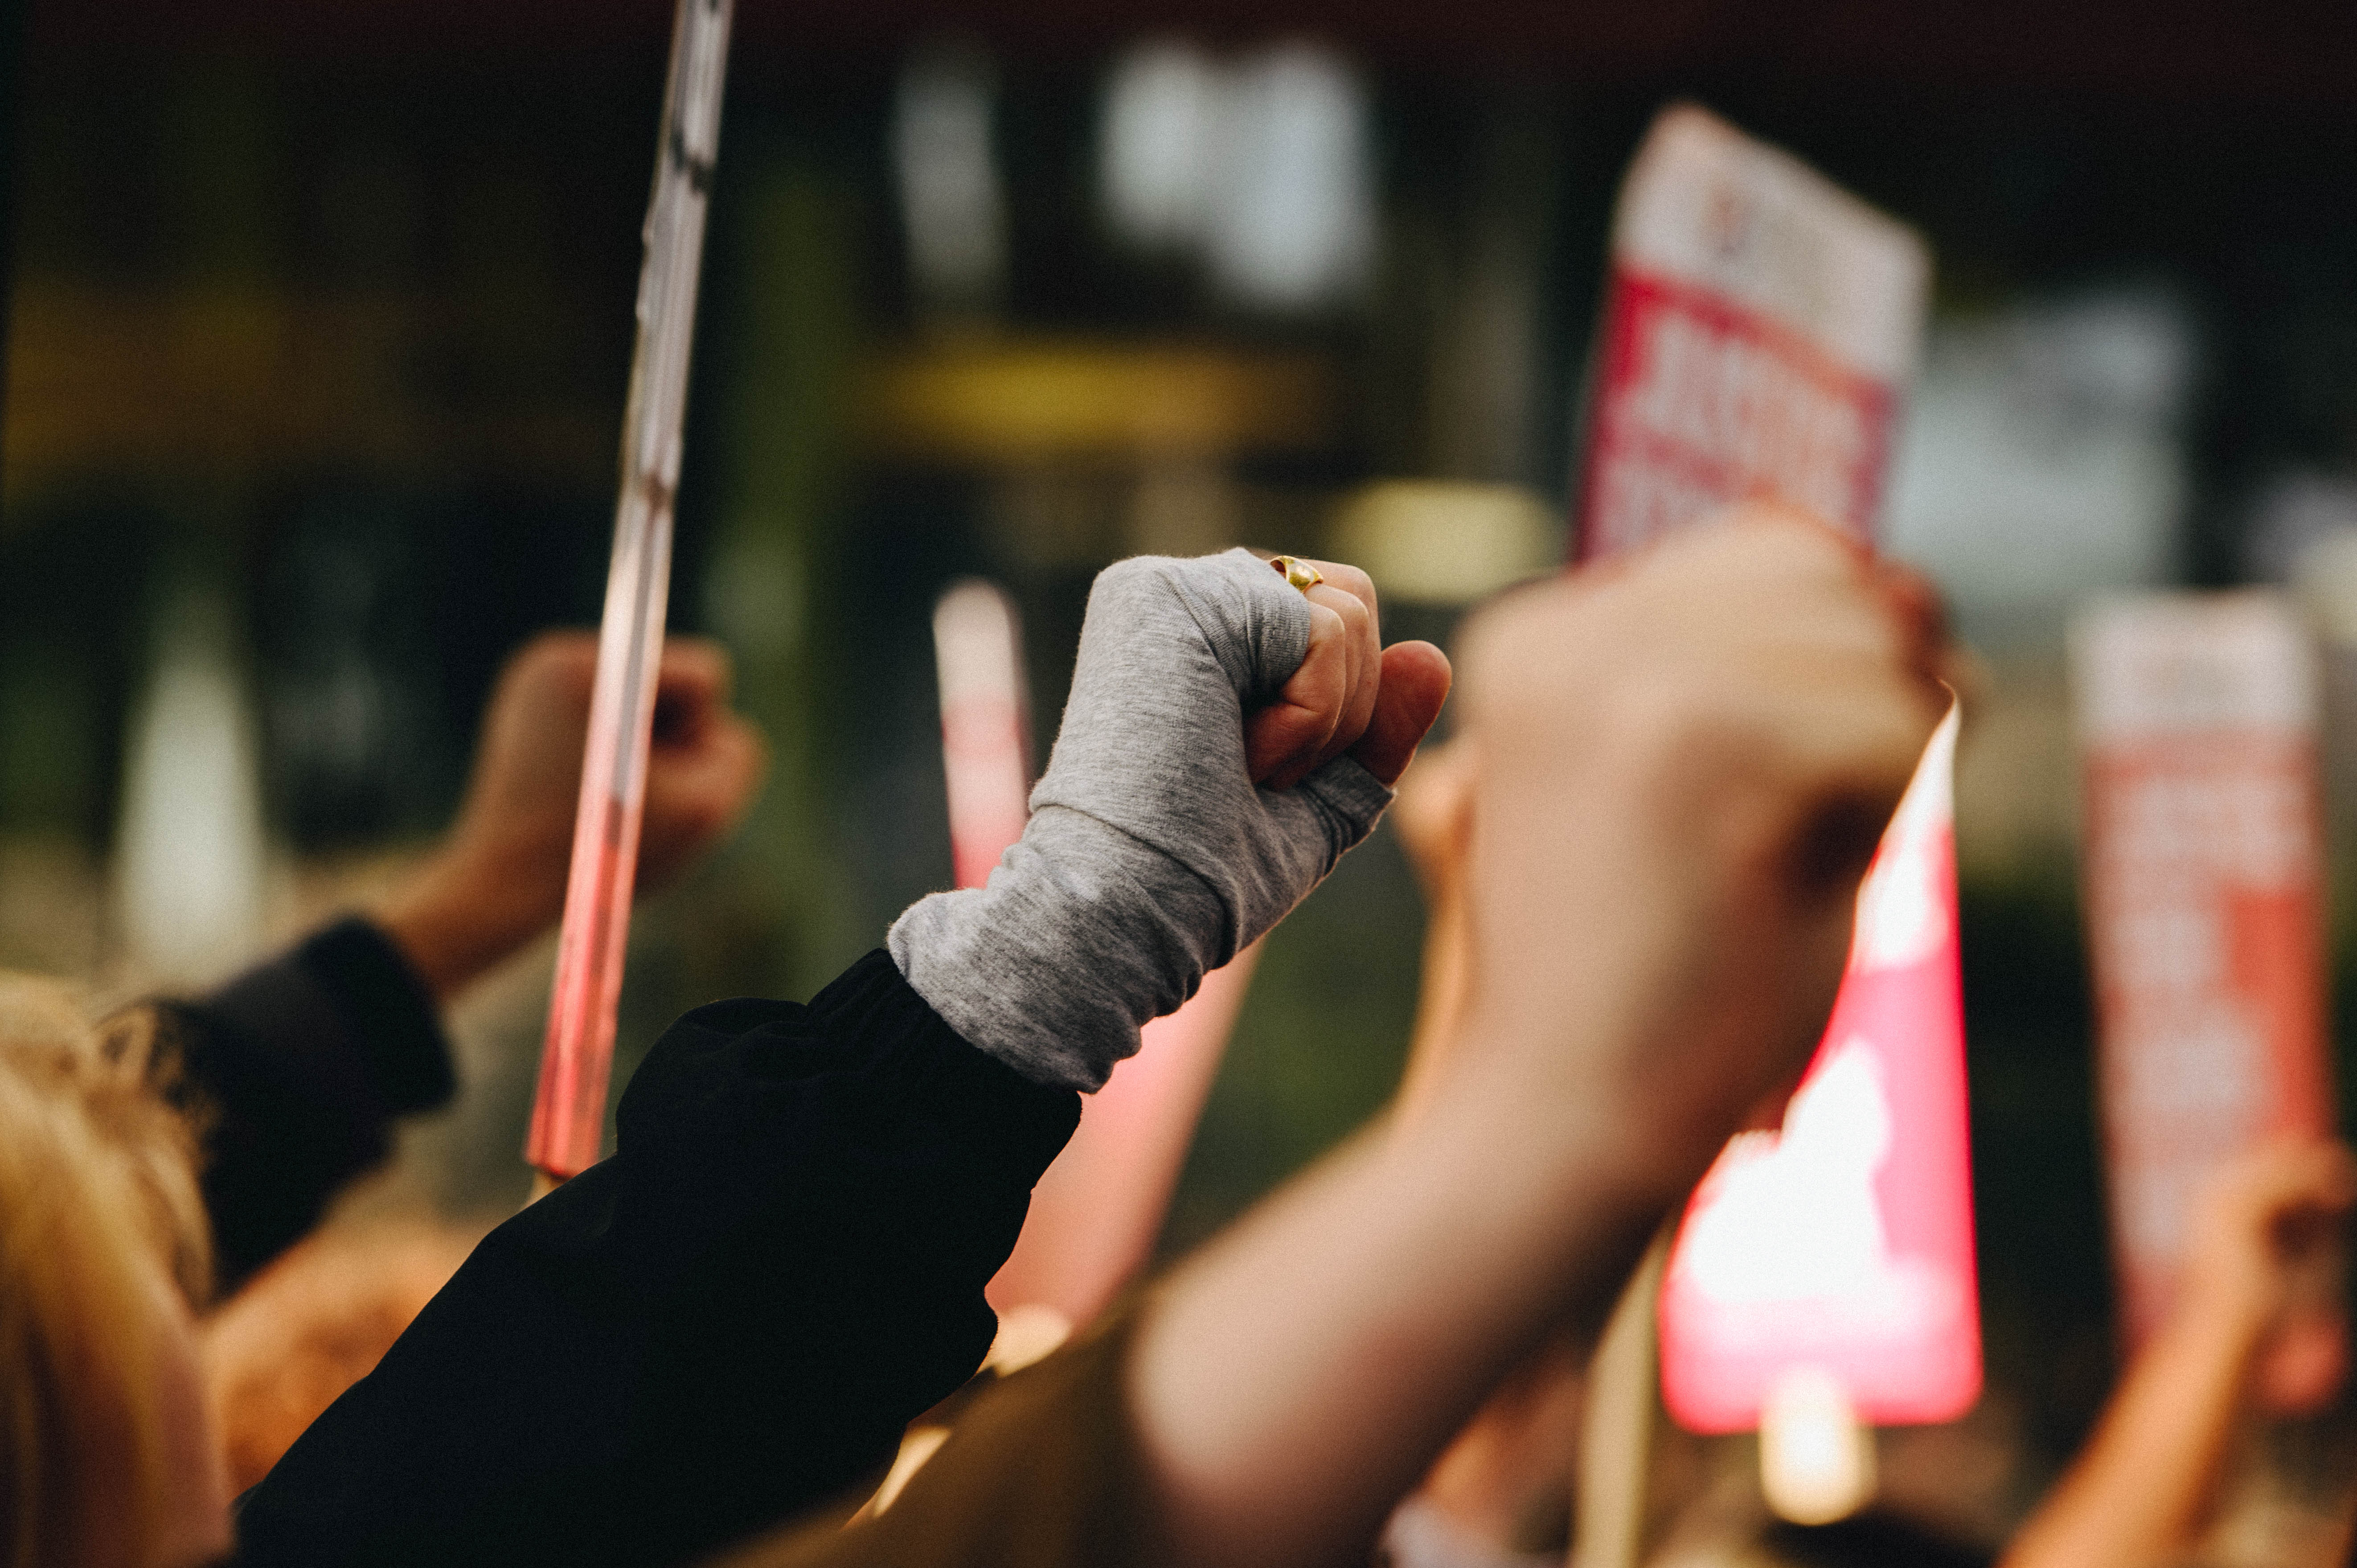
{"points": [[2138, 1492], [1295, 1380], [457, 918]]}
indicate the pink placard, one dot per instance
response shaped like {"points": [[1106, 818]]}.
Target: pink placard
{"points": [[1842, 1244]]}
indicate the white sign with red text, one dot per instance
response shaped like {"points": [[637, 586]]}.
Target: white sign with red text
{"points": [[2196, 720], [1759, 326]]}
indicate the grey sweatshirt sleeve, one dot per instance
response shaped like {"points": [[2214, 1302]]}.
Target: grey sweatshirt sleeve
{"points": [[1151, 858]]}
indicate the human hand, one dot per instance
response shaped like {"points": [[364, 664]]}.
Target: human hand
{"points": [[499, 878], [1160, 843], [2258, 1269], [1683, 761], [1351, 694], [1680, 765]]}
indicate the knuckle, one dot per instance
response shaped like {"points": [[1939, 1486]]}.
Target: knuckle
{"points": [[1355, 615], [1321, 682], [1350, 579]]}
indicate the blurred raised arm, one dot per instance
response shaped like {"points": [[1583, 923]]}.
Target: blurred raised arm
{"points": [[2141, 1490]]}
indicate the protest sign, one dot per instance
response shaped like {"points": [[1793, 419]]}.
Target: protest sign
{"points": [[2203, 852], [1760, 327], [1838, 1251]]}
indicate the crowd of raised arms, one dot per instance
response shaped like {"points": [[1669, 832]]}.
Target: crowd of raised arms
{"points": [[1642, 848]]}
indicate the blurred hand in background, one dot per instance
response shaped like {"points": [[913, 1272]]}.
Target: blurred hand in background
{"points": [[2258, 1321], [2263, 1266], [313, 1324], [498, 879]]}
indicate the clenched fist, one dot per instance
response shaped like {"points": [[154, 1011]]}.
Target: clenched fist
{"points": [[498, 880], [1684, 760]]}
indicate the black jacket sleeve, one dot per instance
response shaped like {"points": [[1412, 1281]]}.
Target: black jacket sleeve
{"points": [[728, 1322], [300, 1067]]}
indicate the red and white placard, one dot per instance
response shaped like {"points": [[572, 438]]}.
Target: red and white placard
{"points": [[2196, 720], [1838, 1250], [1759, 326]]}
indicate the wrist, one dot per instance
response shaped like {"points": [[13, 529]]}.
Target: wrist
{"points": [[2223, 1317], [1589, 1173], [1083, 936], [455, 919], [1562, 1103]]}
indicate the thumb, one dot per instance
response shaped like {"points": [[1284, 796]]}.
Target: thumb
{"points": [[1416, 681]]}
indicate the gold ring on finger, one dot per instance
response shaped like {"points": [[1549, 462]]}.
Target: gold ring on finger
{"points": [[1300, 574]]}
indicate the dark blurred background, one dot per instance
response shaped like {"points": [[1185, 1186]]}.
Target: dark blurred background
{"points": [[318, 330]]}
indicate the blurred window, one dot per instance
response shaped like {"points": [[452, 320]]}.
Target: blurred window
{"points": [[1263, 167], [951, 199], [2042, 457]]}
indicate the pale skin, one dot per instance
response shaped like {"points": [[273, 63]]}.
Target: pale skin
{"points": [[1434, 819], [2141, 1491], [1505, 1480], [1682, 765], [494, 884]]}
